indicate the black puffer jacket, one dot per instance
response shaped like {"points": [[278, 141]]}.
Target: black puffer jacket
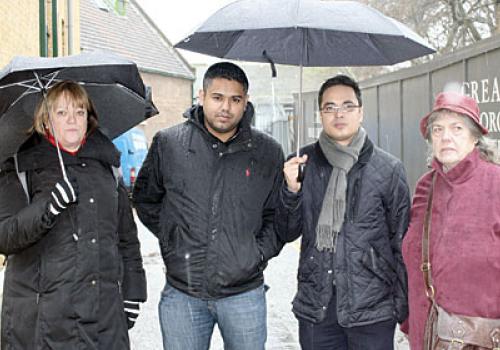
{"points": [[59, 292], [368, 269], [212, 204]]}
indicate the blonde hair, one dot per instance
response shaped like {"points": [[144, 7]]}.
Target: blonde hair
{"points": [[486, 146], [72, 90]]}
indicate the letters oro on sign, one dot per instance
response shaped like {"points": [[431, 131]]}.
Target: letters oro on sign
{"points": [[486, 91]]}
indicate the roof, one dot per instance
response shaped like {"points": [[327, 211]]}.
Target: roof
{"points": [[133, 35]]}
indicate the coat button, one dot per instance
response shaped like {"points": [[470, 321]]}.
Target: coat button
{"points": [[214, 145], [93, 282], [93, 240], [91, 200], [84, 165], [324, 307], [330, 271], [221, 154]]}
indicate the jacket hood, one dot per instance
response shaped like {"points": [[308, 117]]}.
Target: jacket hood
{"points": [[37, 152]]}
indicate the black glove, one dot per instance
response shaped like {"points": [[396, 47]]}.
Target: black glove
{"points": [[131, 311], [63, 194]]}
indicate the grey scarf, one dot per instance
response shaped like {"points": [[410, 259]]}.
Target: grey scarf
{"points": [[341, 158]]}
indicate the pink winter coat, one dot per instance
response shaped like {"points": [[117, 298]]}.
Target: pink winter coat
{"points": [[464, 244]]}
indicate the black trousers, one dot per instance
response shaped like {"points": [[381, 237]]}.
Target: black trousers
{"points": [[329, 335]]}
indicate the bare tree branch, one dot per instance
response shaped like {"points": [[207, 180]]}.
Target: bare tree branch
{"points": [[446, 24]]}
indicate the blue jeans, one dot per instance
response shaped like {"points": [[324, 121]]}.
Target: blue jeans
{"points": [[188, 323]]}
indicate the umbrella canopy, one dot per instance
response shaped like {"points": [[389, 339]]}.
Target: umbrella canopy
{"points": [[112, 82], [307, 33]]}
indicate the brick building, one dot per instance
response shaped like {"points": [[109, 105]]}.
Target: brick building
{"points": [[64, 27], [28, 28], [132, 34]]}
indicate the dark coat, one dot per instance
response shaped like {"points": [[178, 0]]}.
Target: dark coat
{"points": [[367, 267], [211, 205], [62, 292]]}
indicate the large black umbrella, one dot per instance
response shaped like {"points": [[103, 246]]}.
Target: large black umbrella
{"points": [[112, 82], [305, 33]]}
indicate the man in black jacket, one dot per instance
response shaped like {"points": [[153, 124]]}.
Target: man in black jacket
{"points": [[208, 190], [352, 211]]}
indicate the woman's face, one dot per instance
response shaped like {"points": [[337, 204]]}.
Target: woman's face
{"points": [[452, 139], [69, 122]]}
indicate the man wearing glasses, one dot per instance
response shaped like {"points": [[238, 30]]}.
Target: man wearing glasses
{"points": [[352, 210]]}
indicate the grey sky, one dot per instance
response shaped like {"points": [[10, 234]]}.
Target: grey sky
{"points": [[177, 19]]}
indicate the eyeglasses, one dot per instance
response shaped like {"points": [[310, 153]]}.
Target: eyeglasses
{"points": [[331, 109]]}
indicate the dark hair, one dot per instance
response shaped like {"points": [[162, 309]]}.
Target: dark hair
{"points": [[225, 70], [339, 80]]}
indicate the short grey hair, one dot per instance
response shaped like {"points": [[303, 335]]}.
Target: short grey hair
{"points": [[487, 147]]}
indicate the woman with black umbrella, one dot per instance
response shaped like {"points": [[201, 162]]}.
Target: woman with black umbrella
{"points": [[74, 261]]}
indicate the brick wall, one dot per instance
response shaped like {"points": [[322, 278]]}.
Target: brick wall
{"points": [[172, 96], [62, 27], [18, 29]]}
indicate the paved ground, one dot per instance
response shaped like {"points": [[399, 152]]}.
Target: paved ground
{"points": [[280, 276], [282, 328]]}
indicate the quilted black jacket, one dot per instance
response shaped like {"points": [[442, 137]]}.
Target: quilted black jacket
{"points": [[367, 267]]}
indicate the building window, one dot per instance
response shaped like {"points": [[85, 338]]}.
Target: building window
{"points": [[117, 6], [120, 7], [101, 4]]}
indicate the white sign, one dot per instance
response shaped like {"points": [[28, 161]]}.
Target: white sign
{"points": [[485, 91]]}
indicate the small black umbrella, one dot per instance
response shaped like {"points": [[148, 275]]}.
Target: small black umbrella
{"points": [[305, 33], [112, 82]]}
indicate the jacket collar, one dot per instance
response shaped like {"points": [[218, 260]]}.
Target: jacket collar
{"points": [[195, 115], [460, 172], [366, 152], [37, 152], [364, 155]]}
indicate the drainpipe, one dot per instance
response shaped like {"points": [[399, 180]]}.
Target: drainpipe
{"points": [[497, 16], [55, 49], [42, 28], [70, 27]]}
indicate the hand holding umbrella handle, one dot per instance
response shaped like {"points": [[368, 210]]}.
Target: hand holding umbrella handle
{"points": [[301, 172], [293, 169], [64, 193]]}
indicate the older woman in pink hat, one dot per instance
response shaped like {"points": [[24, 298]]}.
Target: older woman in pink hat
{"points": [[464, 220]]}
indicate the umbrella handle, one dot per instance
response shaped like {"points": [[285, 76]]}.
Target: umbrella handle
{"points": [[59, 155], [271, 62], [301, 172]]}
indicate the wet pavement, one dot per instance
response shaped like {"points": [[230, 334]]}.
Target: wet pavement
{"points": [[282, 326], [280, 276]]}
